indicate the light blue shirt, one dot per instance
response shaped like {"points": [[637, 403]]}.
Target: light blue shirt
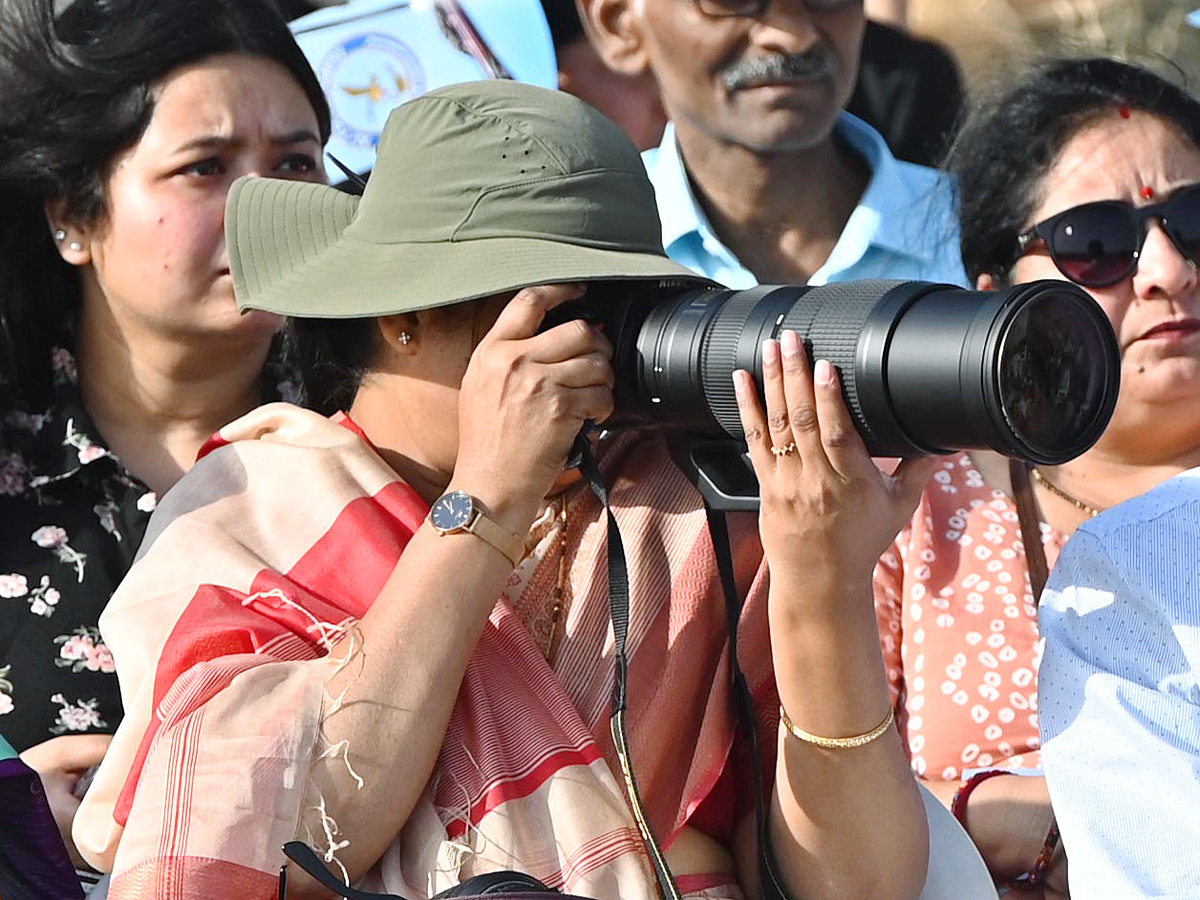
{"points": [[904, 226], [1119, 697]]}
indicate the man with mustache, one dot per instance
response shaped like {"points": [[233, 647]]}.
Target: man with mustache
{"points": [[762, 176]]}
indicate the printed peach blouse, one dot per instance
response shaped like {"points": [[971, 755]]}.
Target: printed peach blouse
{"points": [[958, 624]]}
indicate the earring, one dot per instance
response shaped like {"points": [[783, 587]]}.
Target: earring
{"points": [[404, 338], [76, 246], [60, 235]]}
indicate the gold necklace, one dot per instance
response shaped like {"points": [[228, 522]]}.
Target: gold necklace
{"points": [[560, 589], [1059, 492]]}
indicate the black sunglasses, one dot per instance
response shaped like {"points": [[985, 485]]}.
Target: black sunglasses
{"points": [[753, 9], [1098, 244]]}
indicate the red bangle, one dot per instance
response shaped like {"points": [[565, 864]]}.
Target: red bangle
{"points": [[1037, 874], [958, 806]]}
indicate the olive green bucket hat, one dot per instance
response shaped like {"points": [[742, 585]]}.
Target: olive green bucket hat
{"points": [[478, 188]]}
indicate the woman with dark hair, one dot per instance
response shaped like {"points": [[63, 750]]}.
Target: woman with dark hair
{"points": [[388, 632], [1086, 170], [122, 125]]}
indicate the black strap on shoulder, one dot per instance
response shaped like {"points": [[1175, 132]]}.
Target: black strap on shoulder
{"points": [[771, 884], [618, 600]]}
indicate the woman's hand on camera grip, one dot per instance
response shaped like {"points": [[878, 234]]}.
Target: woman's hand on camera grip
{"points": [[525, 397], [827, 511]]}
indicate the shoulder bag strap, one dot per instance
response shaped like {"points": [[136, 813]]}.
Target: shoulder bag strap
{"points": [[1031, 526]]}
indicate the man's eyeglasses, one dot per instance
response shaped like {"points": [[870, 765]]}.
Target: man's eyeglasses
{"points": [[1097, 244], [753, 9]]}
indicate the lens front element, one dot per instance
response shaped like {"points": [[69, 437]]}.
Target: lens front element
{"points": [[1055, 398]]}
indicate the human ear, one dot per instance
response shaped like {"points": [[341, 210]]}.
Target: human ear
{"points": [[615, 28], [72, 241], [985, 282], [401, 333]]}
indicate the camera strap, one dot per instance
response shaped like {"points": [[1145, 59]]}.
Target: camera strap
{"points": [[770, 884], [618, 601]]}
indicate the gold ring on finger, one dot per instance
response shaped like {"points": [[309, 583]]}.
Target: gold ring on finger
{"points": [[789, 447]]}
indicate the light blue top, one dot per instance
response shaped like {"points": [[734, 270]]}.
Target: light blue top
{"points": [[904, 226], [1119, 697]]}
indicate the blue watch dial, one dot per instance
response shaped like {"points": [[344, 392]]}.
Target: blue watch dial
{"points": [[452, 511]]}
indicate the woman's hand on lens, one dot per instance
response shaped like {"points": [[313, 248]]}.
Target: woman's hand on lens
{"points": [[526, 395], [827, 512]]}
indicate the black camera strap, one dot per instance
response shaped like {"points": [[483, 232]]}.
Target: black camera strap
{"points": [[770, 883], [618, 602]]}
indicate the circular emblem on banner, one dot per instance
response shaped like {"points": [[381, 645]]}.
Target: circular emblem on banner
{"points": [[365, 78]]}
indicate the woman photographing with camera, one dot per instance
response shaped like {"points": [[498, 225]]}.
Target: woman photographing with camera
{"points": [[336, 664]]}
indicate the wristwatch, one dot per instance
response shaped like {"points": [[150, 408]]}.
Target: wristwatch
{"points": [[458, 511]]}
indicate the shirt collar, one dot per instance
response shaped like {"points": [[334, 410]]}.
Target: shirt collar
{"points": [[883, 213], [678, 209], [888, 203]]}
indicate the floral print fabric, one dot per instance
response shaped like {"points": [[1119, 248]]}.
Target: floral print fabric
{"points": [[958, 624], [71, 520]]}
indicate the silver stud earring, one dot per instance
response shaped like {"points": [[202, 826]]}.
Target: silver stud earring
{"points": [[405, 338], [60, 235], [76, 246]]}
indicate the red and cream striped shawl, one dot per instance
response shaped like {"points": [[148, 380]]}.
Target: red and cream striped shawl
{"points": [[266, 554]]}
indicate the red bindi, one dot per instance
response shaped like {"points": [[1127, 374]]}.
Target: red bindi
{"points": [[1124, 112], [1147, 193]]}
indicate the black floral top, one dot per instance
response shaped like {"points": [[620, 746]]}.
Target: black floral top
{"points": [[71, 521]]}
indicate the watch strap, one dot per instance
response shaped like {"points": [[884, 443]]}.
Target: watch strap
{"points": [[512, 546]]}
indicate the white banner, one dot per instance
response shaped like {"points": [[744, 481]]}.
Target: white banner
{"points": [[372, 55]]}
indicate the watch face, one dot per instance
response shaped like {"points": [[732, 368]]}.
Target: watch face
{"points": [[452, 511]]}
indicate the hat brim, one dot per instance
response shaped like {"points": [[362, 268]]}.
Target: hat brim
{"points": [[290, 255]]}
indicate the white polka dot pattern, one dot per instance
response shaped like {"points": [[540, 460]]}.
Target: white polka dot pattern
{"points": [[958, 625]]}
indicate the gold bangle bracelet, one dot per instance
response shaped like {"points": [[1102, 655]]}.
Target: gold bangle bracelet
{"points": [[845, 743]]}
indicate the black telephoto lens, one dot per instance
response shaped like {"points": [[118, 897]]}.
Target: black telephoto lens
{"points": [[1031, 371]]}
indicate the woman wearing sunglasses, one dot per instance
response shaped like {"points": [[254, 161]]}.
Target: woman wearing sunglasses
{"points": [[1086, 170]]}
